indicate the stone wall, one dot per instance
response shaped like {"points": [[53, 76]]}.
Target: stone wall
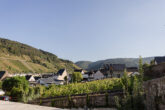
{"points": [[155, 94], [92, 100]]}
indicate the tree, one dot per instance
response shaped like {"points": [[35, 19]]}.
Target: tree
{"points": [[18, 93], [125, 82], [66, 79], [17, 87], [17, 82], [145, 65], [0, 84], [133, 94], [76, 77], [152, 62], [141, 71]]}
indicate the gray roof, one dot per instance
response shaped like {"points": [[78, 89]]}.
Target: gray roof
{"points": [[60, 72], [160, 59], [37, 78], [132, 69], [28, 77], [2, 73], [78, 70], [50, 80], [115, 67]]}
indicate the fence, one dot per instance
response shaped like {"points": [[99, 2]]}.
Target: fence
{"points": [[90, 100]]}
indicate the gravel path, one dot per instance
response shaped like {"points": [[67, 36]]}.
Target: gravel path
{"points": [[5, 105]]}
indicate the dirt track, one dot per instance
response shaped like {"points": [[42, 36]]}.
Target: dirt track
{"points": [[19, 106], [4, 105]]}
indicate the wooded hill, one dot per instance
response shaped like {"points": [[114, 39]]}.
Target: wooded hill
{"points": [[16, 57], [129, 62]]}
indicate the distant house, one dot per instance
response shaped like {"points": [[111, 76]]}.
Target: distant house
{"points": [[98, 75], [159, 60], [113, 70], [85, 76], [37, 78], [47, 75], [132, 71], [90, 75], [3, 75], [49, 81], [80, 70], [61, 74], [118, 70], [57, 79], [30, 78]]}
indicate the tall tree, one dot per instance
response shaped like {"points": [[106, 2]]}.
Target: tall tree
{"points": [[133, 94], [141, 71], [76, 77]]}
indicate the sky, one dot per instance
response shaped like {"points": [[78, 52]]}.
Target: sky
{"points": [[87, 30]]}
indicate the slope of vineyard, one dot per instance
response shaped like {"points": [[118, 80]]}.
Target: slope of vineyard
{"points": [[16, 57], [83, 88]]}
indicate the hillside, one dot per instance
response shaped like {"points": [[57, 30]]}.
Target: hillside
{"points": [[130, 62], [83, 64], [16, 57]]}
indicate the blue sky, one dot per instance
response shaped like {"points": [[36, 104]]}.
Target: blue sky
{"points": [[87, 29]]}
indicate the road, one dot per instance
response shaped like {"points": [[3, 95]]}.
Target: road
{"points": [[5, 105]]}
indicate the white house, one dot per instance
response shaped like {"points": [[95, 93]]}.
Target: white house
{"points": [[56, 79], [98, 75], [61, 74], [85, 76], [133, 73], [80, 70], [30, 78], [48, 81]]}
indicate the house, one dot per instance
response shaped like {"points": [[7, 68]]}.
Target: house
{"points": [[47, 75], [117, 70], [113, 70], [85, 76], [30, 78], [61, 74], [90, 74], [98, 75], [131, 71], [3, 75], [57, 79], [80, 70], [159, 60], [37, 78], [49, 81]]}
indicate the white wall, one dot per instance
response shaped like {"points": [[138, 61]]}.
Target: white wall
{"points": [[61, 77], [32, 79]]}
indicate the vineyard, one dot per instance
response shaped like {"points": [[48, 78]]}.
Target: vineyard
{"points": [[82, 88]]}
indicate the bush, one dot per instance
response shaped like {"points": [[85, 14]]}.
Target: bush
{"points": [[76, 77], [0, 84], [18, 94], [17, 82]]}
